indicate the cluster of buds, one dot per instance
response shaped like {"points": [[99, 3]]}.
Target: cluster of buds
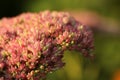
{"points": [[32, 44]]}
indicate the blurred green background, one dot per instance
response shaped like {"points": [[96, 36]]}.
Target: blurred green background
{"points": [[105, 17]]}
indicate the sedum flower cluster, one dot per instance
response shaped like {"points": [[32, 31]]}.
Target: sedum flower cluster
{"points": [[32, 44]]}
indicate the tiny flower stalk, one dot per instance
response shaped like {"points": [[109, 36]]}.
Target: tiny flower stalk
{"points": [[32, 44]]}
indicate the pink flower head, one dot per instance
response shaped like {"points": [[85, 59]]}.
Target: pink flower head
{"points": [[32, 44]]}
